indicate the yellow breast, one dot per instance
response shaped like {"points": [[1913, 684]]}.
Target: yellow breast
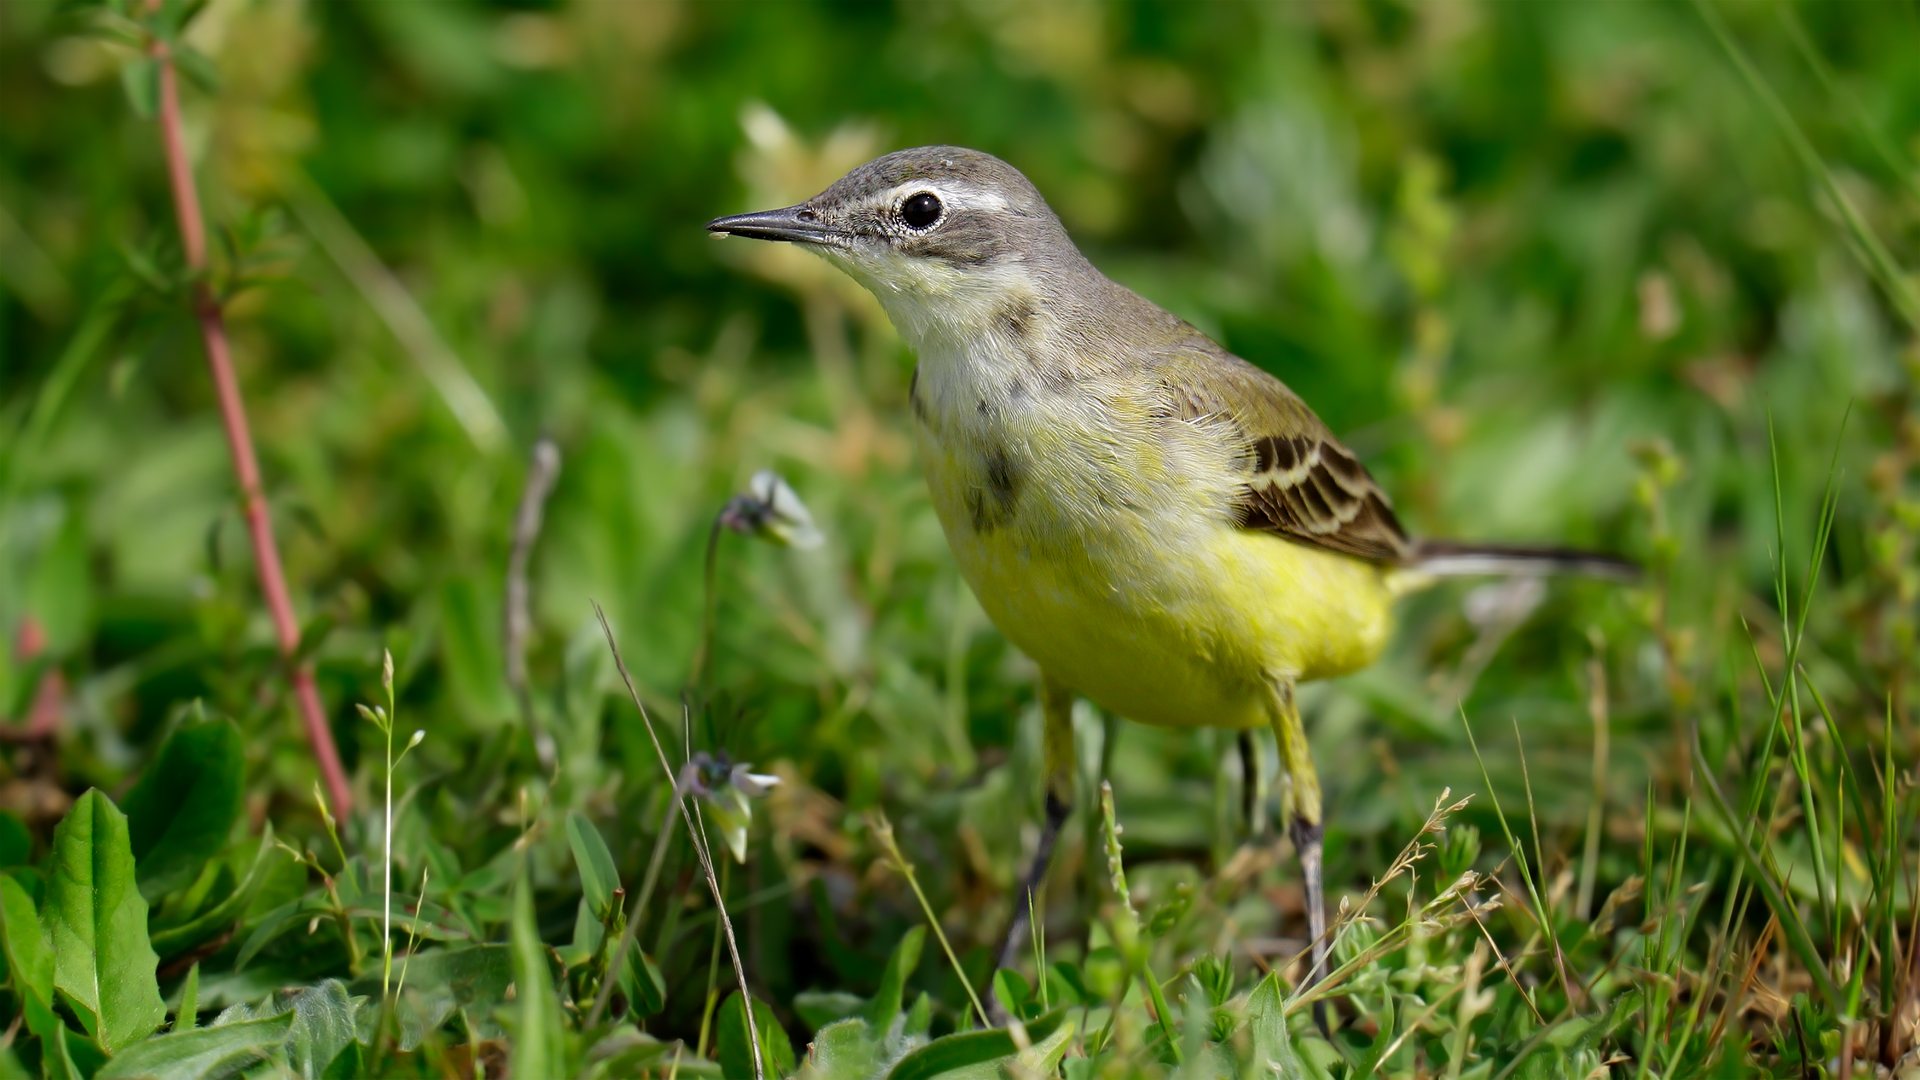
{"points": [[1104, 549]]}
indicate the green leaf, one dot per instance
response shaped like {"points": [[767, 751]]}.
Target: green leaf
{"points": [[539, 1047], [885, 1006], [140, 78], [29, 956], [598, 878], [588, 934], [736, 1049], [348, 1064], [642, 983], [919, 1018], [103, 963], [198, 69], [176, 939], [211, 1051], [979, 1053], [1011, 990], [323, 1027], [625, 1051], [1267, 1021], [276, 922], [183, 809], [10, 1067], [68, 1055], [441, 981], [844, 1050], [1067, 976], [187, 1017], [16, 843]]}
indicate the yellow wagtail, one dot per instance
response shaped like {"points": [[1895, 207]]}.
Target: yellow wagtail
{"points": [[1163, 527]]}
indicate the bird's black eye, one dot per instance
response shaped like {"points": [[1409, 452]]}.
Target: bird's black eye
{"points": [[921, 210]]}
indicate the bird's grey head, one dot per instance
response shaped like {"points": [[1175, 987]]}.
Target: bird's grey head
{"points": [[935, 232]]}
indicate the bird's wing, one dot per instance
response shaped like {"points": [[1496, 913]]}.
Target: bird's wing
{"points": [[1299, 481]]}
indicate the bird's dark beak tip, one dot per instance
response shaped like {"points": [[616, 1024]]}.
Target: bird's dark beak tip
{"points": [[788, 224]]}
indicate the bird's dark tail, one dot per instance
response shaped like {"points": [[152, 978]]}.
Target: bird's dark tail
{"points": [[1447, 558]]}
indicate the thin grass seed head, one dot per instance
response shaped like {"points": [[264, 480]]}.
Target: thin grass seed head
{"points": [[419, 736], [1116, 869], [320, 800]]}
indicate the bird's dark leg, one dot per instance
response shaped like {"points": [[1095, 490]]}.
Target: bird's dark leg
{"points": [[1307, 828], [1250, 785], [1056, 703]]}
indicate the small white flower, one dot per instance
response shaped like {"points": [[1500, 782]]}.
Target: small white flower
{"points": [[751, 784], [770, 509]]}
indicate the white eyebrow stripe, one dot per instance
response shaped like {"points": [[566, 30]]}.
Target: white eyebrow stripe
{"points": [[960, 196]]}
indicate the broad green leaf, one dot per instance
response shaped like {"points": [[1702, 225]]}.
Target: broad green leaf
{"points": [[1267, 1019], [184, 807], [16, 843], [10, 1067], [980, 1053], [539, 1046], [209, 1051], [841, 1051], [625, 1051], [588, 933], [598, 878], [58, 1054], [140, 78], [442, 981], [348, 1064], [643, 984], [102, 961], [323, 1026], [174, 939], [30, 879], [885, 1006], [1010, 989], [736, 1049], [29, 956], [1066, 978]]}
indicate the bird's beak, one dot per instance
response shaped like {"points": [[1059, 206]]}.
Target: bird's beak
{"points": [[795, 223]]}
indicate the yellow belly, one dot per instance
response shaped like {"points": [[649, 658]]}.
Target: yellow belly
{"points": [[1160, 613]]}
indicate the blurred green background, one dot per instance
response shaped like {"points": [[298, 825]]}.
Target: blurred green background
{"points": [[1553, 270]]}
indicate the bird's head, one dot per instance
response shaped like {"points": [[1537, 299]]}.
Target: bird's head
{"points": [[942, 235]]}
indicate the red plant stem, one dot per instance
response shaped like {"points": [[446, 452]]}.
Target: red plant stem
{"points": [[233, 414]]}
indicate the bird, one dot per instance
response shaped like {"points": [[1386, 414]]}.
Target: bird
{"points": [[1164, 528]]}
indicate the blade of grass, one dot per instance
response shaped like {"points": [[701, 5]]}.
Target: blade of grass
{"points": [[463, 396], [1764, 880], [696, 830], [1880, 263], [883, 832], [1596, 808], [1540, 860], [1889, 154], [1526, 875]]}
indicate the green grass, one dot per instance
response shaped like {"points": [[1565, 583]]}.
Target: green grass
{"points": [[1633, 277]]}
